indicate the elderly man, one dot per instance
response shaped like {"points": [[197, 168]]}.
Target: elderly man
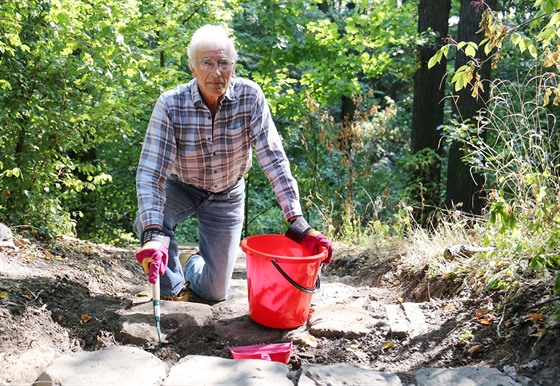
{"points": [[195, 153]]}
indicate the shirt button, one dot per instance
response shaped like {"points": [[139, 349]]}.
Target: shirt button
{"points": [[209, 117], [215, 172]]}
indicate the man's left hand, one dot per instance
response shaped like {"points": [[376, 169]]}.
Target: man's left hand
{"points": [[309, 238]]}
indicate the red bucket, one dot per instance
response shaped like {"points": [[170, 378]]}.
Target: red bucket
{"points": [[281, 278]]}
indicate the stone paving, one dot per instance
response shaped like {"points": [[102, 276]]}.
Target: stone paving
{"points": [[336, 313]]}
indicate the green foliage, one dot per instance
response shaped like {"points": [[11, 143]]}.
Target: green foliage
{"points": [[538, 34], [519, 158], [308, 61], [79, 80]]}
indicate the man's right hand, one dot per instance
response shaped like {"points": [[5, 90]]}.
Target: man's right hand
{"points": [[154, 253]]}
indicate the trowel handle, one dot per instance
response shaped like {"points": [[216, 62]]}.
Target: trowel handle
{"points": [[155, 290], [155, 297]]}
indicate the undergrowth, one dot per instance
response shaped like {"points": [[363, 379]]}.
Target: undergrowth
{"points": [[515, 144]]}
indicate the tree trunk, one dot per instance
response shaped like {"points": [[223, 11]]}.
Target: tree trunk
{"points": [[427, 109], [464, 186]]}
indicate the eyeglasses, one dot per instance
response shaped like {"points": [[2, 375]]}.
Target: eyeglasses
{"points": [[223, 65]]}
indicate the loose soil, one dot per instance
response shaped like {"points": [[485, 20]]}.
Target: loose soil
{"points": [[63, 296]]}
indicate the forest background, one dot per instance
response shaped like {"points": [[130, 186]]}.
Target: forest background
{"points": [[403, 120]]}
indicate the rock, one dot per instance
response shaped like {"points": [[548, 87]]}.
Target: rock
{"points": [[138, 325], [464, 376], [405, 320], [246, 331], [117, 365], [209, 371], [340, 321], [6, 237], [344, 374]]}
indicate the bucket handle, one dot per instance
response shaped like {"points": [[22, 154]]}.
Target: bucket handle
{"points": [[294, 283]]}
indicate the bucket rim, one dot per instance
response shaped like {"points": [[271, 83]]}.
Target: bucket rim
{"points": [[287, 259]]}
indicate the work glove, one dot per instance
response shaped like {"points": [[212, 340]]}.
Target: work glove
{"points": [[309, 238], [154, 252]]}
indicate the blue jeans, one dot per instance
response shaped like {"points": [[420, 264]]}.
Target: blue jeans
{"points": [[220, 221]]}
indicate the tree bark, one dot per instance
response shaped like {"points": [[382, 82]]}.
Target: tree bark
{"points": [[429, 90], [427, 109], [464, 186]]}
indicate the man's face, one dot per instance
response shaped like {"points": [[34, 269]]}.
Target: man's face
{"points": [[213, 71]]}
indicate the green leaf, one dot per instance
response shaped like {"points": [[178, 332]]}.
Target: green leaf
{"points": [[556, 288], [5, 85], [533, 50], [470, 51], [435, 59]]}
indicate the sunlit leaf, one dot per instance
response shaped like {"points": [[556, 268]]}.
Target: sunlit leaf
{"points": [[449, 307], [388, 345]]}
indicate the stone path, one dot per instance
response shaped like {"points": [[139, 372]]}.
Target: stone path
{"points": [[337, 312]]}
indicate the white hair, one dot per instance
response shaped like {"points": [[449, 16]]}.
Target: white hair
{"points": [[211, 37]]}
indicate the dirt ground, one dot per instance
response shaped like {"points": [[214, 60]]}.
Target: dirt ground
{"points": [[60, 297]]}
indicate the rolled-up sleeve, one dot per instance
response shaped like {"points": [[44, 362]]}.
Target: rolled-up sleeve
{"points": [[272, 159], [156, 160]]}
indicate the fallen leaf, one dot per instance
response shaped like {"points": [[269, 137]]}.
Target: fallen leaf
{"points": [[60, 318], [142, 294], [535, 317], [449, 307], [48, 255], [474, 349], [488, 319], [85, 318], [4, 295], [481, 312], [310, 341], [352, 347], [537, 332], [388, 345], [468, 335]]}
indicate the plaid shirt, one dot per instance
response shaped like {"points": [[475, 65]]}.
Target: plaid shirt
{"points": [[182, 139]]}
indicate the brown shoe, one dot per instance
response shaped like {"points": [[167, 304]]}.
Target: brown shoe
{"points": [[184, 257], [182, 296]]}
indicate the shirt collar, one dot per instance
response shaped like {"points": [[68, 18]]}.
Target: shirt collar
{"points": [[197, 98]]}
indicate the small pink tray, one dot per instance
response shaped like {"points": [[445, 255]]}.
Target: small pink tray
{"points": [[277, 352]]}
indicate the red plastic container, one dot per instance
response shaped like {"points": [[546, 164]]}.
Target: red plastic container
{"points": [[276, 352], [281, 278]]}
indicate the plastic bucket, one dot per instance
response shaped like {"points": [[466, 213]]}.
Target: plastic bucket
{"points": [[281, 278]]}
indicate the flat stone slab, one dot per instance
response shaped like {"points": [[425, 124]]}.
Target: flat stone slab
{"points": [[138, 326], [244, 331], [209, 371], [405, 320], [345, 374], [464, 376], [332, 294], [116, 365], [340, 321]]}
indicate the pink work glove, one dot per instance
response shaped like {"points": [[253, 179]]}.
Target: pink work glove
{"points": [[153, 254], [309, 238]]}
